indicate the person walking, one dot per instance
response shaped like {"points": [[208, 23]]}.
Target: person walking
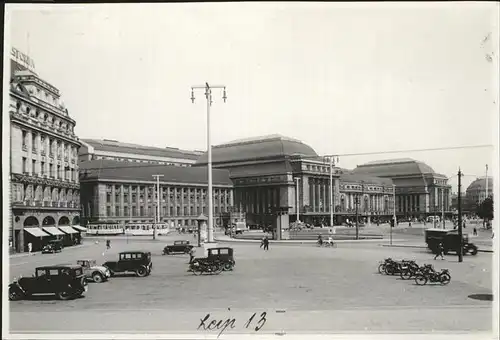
{"points": [[266, 243], [474, 231], [108, 244], [192, 251], [30, 248], [440, 251], [262, 242]]}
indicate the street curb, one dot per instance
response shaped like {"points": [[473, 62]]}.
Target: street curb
{"points": [[423, 247], [13, 256]]}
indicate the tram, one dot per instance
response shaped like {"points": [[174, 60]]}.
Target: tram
{"points": [[146, 229], [105, 229]]}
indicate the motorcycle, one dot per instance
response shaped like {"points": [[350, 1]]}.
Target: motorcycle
{"points": [[199, 267], [381, 266], [326, 244], [409, 270], [428, 274], [396, 267]]}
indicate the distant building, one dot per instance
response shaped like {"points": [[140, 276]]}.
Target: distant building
{"points": [[420, 191], [93, 149], [44, 187], [114, 192], [476, 193]]}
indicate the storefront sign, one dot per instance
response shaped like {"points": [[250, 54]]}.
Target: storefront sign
{"points": [[22, 59]]}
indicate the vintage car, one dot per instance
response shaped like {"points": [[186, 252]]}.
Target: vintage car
{"points": [[138, 262], [450, 240], [94, 272], [223, 255], [52, 246], [65, 281], [178, 247]]}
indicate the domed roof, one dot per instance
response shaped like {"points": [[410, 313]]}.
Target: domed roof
{"points": [[258, 148], [480, 184], [394, 167]]}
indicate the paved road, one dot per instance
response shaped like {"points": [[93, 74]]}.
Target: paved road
{"points": [[315, 289]]}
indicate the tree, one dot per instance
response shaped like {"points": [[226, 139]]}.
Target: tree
{"points": [[485, 209]]}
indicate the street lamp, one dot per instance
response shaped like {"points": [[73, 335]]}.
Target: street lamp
{"points": [[297, 204], [208, 96], [393, 208], [331, 159]]}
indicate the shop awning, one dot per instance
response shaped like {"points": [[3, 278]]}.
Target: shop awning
{"points": [[37, 232], [77, 227], [68, 230], [53, 231]]}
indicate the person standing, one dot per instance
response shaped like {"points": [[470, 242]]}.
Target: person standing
{"points": [[474, 231], [191, 255], [439, 251], [266, 243], [30, 247]]}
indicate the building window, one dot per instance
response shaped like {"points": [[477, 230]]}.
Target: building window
{"points": [[51, 170], [117, 211], [141, 211], [108, 211], [178, 211], [25, 165], [108, 197], [58, 173], [43, 168], [25, 140], [171, 211], [125, 211], [134, 211], [33, 168]]}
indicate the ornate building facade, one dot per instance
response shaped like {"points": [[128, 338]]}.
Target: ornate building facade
{"points": [[265, 171], [420, 191], [125, 193], [92, 149], [44, 187]]}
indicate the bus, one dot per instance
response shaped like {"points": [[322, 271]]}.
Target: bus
{"points": [[146, 229]]}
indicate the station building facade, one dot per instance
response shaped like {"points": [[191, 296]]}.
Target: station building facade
{"points": [[94, 149], [265, 171], [420, 191], [44, 186], [123, 193]]}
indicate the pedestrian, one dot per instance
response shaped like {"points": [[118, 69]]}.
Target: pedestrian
{"points": [[30, 247], [474, 231], [262, 242], [191, 255], [108, 244], [266, 243], [440, 251], [409, 224]]}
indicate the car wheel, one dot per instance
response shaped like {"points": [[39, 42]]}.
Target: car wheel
{"points": [[473, 250], [141, 272], [228, 266], [97, 277], [63, 296], [445, 279], [14, 294]]}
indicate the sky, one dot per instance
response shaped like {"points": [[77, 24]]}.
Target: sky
{"points": [[343, 78]]}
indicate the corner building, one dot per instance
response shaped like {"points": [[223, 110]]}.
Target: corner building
{"points": [[44, 187], [124, 193]]}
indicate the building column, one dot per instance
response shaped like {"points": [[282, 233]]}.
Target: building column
{"points": [[113, 209], [122, 201], [137, 202]]}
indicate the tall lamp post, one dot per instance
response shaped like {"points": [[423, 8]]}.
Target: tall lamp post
{"points": [[393, 208], [157, 217], [297, 200], [208, 96], [331, 160]]}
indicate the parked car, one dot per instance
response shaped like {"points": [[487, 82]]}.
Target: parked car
{"points": [[450, 240], [178, 247], [94, 272], [52, 246], [138, 262], [65, 281]]}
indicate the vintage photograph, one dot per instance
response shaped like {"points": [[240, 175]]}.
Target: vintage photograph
{"points": [[270, 169]]}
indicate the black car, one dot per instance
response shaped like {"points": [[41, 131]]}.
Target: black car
{"points": [[138, 262], [52, 246], [224, 255], [65, 281], [178, 247]]}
